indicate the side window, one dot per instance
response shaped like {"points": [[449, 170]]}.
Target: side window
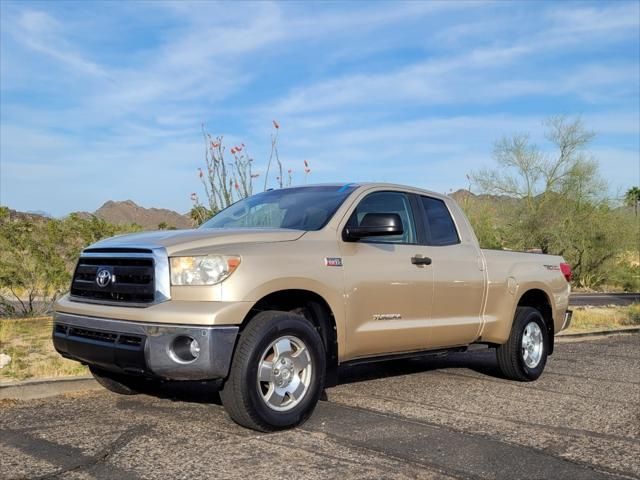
{"points": [[440, 226], [387, 202]]}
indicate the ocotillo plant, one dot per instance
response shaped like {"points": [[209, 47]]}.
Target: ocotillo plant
{"points": [[226, 182]]}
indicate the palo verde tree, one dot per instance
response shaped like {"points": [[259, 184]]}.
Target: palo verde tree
{"points": [[561, 206]]}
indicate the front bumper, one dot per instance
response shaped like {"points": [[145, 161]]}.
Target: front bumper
{"points": [[142, 348]]}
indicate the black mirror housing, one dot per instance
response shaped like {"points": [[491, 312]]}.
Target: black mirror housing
{"points": [[374, 225]]}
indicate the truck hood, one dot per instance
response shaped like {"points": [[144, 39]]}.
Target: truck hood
{"points": [[179, 240]]}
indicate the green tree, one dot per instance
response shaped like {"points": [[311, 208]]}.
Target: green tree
{"points": [[632, 198], [37, 257], [32, 272], [199, 213], [560, 205], [485, 220]]}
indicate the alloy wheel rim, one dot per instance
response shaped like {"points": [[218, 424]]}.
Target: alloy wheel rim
{"points": [[284, 373], [532, 345]]}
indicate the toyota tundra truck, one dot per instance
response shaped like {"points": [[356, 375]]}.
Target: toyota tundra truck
{"points": [[274, 293]]}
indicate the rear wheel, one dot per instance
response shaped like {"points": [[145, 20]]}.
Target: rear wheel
{"points": [[277, 373], [524, 356], [120, 384]]}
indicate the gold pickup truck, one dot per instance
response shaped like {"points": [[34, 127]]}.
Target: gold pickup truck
{"points": [[273, 294]]}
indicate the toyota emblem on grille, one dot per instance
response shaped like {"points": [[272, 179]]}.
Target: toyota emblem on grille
{"points": [[103, 277]]}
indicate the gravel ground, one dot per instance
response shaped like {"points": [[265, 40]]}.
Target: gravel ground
{"points": [[438, 417]]}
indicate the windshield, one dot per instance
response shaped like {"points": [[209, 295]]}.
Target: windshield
{"points": [[299, 208]]}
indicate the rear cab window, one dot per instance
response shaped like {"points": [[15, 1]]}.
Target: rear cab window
{"points": [[439, 225]]}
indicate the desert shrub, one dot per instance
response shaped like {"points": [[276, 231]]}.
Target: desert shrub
{"points": [[37, 257]]}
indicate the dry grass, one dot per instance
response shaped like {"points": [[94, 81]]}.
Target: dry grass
{"points": [[28, 343], [597, 318]]}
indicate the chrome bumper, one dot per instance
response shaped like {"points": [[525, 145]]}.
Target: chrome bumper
{"points": [[144, 348]]}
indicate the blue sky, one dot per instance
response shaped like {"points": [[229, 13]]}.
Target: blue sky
{"points": [[104, 101]]}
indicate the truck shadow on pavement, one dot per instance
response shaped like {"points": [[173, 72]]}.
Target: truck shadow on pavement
{"points": [[483, 362], [206, 392]]}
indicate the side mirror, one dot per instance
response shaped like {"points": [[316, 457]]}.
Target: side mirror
{"points": [[374, 225]]}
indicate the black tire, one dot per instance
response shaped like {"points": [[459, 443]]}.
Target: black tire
{"points": [[511, 354], [120, 384], [241, 394]]}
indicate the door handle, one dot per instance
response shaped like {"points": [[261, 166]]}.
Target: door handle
{"points": [[420, 260]]}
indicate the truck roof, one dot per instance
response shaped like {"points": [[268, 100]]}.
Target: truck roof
{"points": [[374, 184]]}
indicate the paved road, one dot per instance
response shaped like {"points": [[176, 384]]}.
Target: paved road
{"points": [[449, 417], [603, 299]]}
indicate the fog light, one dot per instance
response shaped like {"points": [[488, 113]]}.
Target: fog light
{"points": [[184, 349], [194, 348]]}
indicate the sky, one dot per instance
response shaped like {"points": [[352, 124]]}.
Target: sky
{"points": [[106, 100]]}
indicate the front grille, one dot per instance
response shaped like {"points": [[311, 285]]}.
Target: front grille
{"points": [[132, 340], [100, 335], [118, 250], [93, 335], [131, 280]]}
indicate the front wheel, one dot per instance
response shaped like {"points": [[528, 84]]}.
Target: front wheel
{"points": [[277, 373], [524, 356]]}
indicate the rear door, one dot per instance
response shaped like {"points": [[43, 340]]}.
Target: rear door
{"points": [[458, 276]]}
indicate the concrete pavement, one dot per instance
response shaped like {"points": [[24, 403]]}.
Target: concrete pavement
{"points": [[603, 299], [442, 417]]}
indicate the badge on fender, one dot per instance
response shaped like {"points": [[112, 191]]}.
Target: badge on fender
{"points": [[333, 261]]}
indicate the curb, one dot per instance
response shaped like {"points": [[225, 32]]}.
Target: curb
{"points": [[32, 389], [598, 333]]}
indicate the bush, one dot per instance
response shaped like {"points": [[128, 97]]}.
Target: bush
{"points": [[37, 257]]}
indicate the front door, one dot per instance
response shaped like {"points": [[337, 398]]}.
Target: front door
{"points": [[387, 296]]}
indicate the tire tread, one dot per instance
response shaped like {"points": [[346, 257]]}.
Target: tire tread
{"points": [[235, 394], [233, 391], [509, 353]]}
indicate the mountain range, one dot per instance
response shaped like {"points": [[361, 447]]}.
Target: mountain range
{"points": [[127, 212], [123, 213]]}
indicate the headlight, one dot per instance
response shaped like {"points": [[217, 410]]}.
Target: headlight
{"points": [[205, 270]]}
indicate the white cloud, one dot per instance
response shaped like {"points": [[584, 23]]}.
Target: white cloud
{"points": [[41, 32], [488, 71], [410, 92], [61, 175], [613, 17]]}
